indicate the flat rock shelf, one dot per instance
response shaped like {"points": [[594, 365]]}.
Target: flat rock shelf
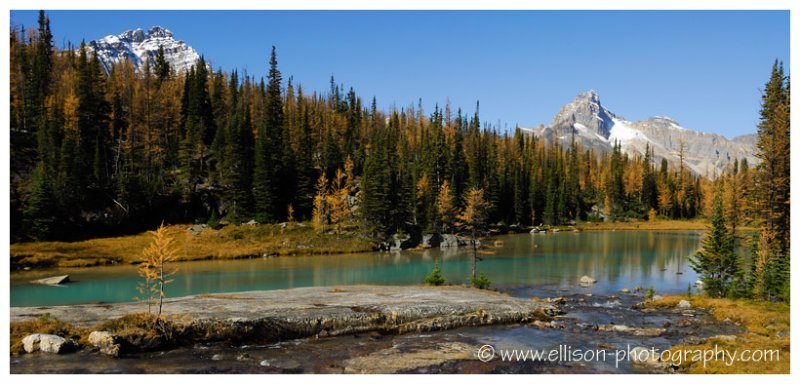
{"points": [[320, 311]]}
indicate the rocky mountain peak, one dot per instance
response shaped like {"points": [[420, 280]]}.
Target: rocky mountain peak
{"points": [[159, 32], [139, 46], [585, 112], [132, 35]]}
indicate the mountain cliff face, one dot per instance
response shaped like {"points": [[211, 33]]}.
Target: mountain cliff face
{"points": [[139, 46], [596, 127]]}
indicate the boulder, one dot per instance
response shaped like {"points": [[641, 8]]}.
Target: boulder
{"points": [[684, 304], [55, 280], [108, 343], [431, 240], [625, 290], [657, 297], [451, 241], [534, 230], [47, 344], [251, 223], [587, 280], [401, 241]]}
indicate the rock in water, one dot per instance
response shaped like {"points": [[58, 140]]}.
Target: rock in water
{"points": [[55, 280], [586, 280], [47, 343], [106, 342]]}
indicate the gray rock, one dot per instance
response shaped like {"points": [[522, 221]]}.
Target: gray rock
{"points": [[251, 223], [728, 338], [587, 280], [196, 229], [641, 332], [684, 304], [106, 342], [431, 240], [55, 280], [217, 357], [287, 314], [400, 242], [451, 241], [47, 344], [658, 297]]}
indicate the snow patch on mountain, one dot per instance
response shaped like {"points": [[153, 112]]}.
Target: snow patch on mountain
{"points": [[623, 132]]}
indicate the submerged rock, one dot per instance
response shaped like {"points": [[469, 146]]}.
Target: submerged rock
{"points": [[641, 332], [395, 360]]}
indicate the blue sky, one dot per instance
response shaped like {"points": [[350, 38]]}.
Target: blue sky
{"points": [[703, 68]]}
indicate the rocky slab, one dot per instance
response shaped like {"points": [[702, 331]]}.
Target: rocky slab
{"points": [[320, 311]]}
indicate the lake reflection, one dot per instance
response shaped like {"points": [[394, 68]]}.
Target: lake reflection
{"points": [[544, 263]]}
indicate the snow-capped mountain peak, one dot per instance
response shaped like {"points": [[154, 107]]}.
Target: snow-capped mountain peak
{"points": [[139, 47], [594, 126]]}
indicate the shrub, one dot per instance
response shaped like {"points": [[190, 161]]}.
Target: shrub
{"points": [[649, 293], [481, 282], [435, 278]]}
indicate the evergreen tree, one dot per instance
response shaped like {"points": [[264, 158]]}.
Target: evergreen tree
{"points": [[716, 261], [40, 212], [161, 68], [772, 279], [268, 149]]}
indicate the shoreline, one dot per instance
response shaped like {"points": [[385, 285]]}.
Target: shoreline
{"points": [[239, 242]]}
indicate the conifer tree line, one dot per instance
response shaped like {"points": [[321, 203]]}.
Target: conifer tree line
{"points": [[757, 197], [97, 153]]}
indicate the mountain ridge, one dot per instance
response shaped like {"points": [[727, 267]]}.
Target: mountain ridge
{"points": [[596, 127]]}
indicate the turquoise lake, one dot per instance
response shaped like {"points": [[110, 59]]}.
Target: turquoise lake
{"points": [[544, 264]]}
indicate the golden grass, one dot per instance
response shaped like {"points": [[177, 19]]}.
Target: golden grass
{"points": [[762, 322], [230, 242], [642, 225]]}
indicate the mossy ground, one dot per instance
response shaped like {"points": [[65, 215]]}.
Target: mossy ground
{"points": [[766, 327]]}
